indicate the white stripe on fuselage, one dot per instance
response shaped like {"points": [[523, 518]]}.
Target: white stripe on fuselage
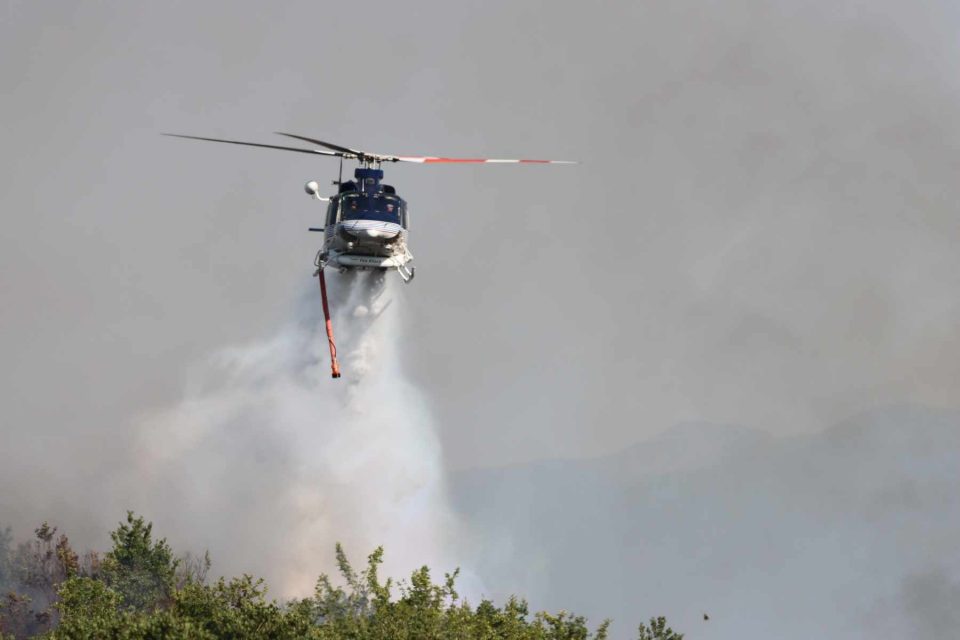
{"points": [[377, 225]]}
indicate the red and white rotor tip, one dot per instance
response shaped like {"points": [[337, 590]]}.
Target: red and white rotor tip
{"points": [[438, 160]]}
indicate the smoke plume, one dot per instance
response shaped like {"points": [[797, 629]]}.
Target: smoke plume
{"points": [[267, 461]]}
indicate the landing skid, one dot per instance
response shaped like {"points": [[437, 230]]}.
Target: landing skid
{"points": [[322, 260], [406, 274]]}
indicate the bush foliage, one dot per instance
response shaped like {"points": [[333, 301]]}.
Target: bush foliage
{"points": [[140, 590]]}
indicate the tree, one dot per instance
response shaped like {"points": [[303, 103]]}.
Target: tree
{"points": [[86, 603], [32, 576], [239, 609], [41, 565], [141, 571], [193, 569], [427, 610], [6, 571], [90, 609], [658, 630]]}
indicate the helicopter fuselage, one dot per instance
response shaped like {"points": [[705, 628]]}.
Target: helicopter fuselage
{"points": [[366, 225]]}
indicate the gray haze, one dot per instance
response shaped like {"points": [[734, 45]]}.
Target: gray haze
{"points": [[849, 533], [262, 462], [762, 231]]}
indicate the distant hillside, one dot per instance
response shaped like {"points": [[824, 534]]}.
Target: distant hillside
{"points": [[773, 537]]}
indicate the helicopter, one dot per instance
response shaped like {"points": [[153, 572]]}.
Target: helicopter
{"points": [[367, 222]]}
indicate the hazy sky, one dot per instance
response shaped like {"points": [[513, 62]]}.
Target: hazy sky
{"points": [[763, 229]]}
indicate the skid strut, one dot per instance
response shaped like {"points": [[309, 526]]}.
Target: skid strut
{"points": [[334, 365], [405, 273]]}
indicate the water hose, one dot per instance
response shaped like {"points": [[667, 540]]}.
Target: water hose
{"points": [[334, 365]]}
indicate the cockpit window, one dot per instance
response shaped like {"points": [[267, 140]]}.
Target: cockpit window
{"points": [[371, 207]]}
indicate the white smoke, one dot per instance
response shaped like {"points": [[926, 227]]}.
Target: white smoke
{"points": [[267, 461]]}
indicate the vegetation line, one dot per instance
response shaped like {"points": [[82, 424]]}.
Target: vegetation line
{"points": [[141, 590]]}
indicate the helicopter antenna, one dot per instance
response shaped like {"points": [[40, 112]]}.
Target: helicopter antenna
{"points": [[340, 177]]}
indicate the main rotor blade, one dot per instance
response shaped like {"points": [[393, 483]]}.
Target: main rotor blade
{"points": [[435, 160], [328, 145], [347, 152], [421, 159], [257, 144]]}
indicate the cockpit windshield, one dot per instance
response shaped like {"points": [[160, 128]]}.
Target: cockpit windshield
{"points": [[362, 206]]}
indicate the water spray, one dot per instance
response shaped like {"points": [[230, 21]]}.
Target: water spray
{"points": [[267, 465]]}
